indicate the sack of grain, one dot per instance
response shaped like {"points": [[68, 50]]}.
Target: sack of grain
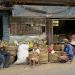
{"points": [[12, 50], [43, 58]]}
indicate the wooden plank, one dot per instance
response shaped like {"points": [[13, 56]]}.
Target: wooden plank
{"points": [[57, 2], [39, 2]]}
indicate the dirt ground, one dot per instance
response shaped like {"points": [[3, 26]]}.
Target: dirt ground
{"points": [[43, 69]]}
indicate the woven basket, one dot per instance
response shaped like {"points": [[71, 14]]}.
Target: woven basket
{"points": [[54, 57]]}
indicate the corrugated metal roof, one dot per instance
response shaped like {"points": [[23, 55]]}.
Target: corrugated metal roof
{"points": [[44, 11]]}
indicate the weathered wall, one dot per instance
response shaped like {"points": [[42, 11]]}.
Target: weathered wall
{"points": [[5, 23]]}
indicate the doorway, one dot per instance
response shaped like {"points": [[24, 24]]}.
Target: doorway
{"points": [[65, 29]]}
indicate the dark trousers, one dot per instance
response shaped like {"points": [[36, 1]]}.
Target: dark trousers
{"points": [[7, 60], [70, 57], [2, 61]]}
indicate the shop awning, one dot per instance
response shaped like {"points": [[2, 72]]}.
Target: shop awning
{"points": [[44, 11]]}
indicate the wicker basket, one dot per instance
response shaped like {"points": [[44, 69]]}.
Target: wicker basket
{"points": [[54, 57]]}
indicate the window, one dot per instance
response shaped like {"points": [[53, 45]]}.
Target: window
{"points": [[43, 29]]}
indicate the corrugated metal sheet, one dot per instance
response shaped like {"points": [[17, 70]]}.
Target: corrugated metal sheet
{"points": [[44, 11]]}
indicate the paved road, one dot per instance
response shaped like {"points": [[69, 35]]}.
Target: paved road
{"points": [[45, 69]]}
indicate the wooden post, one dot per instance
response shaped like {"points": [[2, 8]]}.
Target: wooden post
{"points": [[49, 30]]}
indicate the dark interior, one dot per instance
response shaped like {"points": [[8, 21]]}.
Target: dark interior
{"points": [[65, 27], [1, 28]]}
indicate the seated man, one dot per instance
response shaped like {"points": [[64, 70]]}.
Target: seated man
{"points": [[69, 50], [34, 57], [5, 56]]}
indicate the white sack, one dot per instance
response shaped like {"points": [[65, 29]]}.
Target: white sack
{"points": [[22, 53]]}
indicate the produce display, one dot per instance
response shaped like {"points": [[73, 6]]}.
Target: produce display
{"points": [[44, 56]]}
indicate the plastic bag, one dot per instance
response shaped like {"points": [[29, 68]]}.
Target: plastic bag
{"points": [[22, 53]]}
